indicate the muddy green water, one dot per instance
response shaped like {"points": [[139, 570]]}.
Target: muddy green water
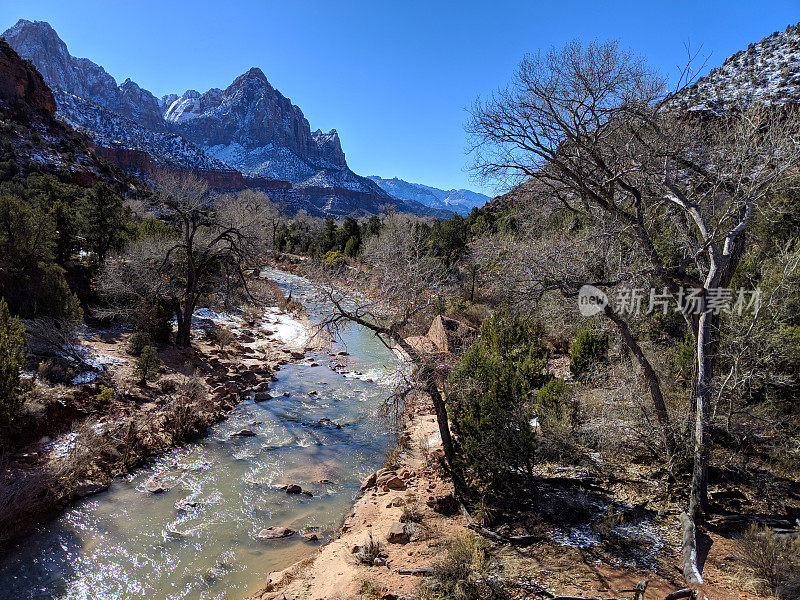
{"points": [[198, 540]]}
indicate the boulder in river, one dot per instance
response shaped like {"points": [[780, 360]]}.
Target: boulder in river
{"points": [[293, 489], [274, 533], [261, 396], [244, 433], [155, 485]]}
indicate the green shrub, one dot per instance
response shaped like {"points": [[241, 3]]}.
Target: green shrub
{"points": [[490, 401], [105, 396], [334, 258], [56, 299], [683, 357], [351, 247], [552, 407], [13, 352], [147, 366], [589, 349], [136, 343]]}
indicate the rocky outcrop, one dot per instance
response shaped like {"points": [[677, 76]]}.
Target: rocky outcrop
{"points": [[141, 106], [22, 89], [767, 71], [250, 112]]}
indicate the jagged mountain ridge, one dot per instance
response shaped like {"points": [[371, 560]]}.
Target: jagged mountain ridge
{"points": [[249, 127], [461, 201]]}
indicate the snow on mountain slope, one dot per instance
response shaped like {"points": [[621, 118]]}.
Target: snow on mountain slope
{"points": [[249, 126], [767, 71], [460, 201], [111, 130]]}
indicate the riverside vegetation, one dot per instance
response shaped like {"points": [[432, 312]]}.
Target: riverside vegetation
{"points": [[575, 451]]}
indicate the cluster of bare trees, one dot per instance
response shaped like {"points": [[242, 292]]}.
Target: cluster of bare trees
{"points": [[666, 198], [658, 199], [396, 297], [206, 246]]}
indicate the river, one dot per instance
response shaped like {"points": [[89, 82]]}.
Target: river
{"points": [[198, 540]]}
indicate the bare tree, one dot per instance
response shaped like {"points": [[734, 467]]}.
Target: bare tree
{"points": [[592, 126], [217, 241], [396, 297]]}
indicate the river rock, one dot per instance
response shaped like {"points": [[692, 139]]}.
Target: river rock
{"points": [[155, 485], [293, 489], [274, 533], [297, 354], [310, 537], [87, 488], [244, 433], [388, 480], [397, 534], [369, 482], [261, 396]]}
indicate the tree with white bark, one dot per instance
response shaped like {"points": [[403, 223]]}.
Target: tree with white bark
{"points": [[668, 198]]}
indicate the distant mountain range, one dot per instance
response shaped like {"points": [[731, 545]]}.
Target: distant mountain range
{"points": [[459, 201], [247, 135]]}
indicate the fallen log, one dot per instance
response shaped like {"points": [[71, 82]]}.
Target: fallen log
{"points": [[423, 571], [691, 573], [679, 594], [520, 540]]}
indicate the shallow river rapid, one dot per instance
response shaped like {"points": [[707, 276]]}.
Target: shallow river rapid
{"points": [[198, 540]]}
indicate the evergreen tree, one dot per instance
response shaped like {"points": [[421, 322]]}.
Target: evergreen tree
{"points": [[13, 351], [105, 220]]}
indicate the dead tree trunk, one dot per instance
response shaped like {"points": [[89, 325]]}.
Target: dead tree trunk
{"points": [[653, 382], [691, 572], [698, 499]]}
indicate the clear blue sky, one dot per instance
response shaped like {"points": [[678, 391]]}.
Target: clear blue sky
{"points": [[394, 78]]}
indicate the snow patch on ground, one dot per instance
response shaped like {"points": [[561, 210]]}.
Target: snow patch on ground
{"points": [[581, 536], [285, 328]]}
